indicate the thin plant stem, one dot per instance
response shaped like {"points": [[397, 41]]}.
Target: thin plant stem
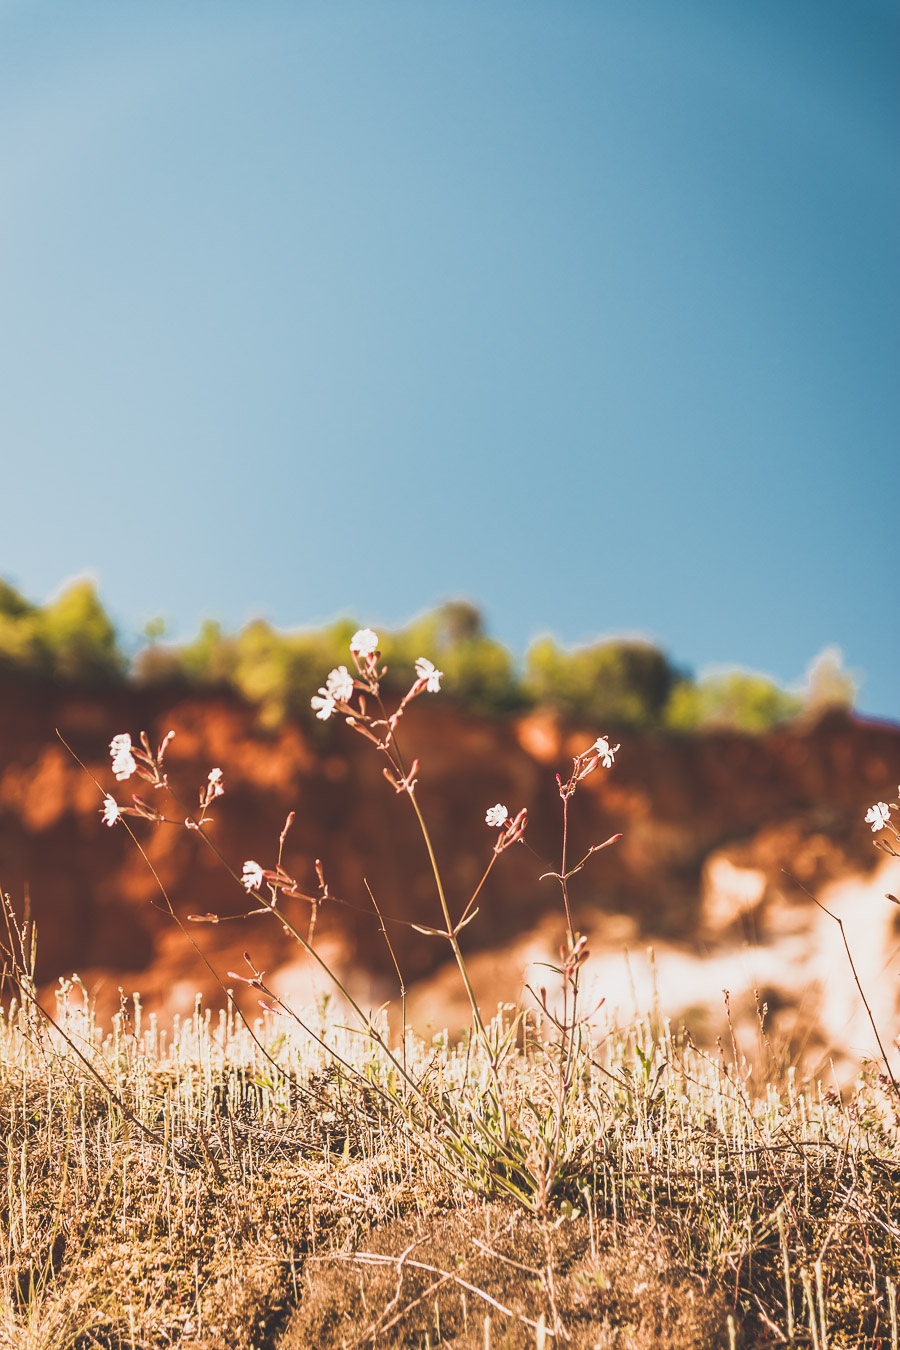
{"points": [[874, 1025]]}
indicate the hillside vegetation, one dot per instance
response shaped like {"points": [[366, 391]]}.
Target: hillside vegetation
{"points": [[622, 683]]}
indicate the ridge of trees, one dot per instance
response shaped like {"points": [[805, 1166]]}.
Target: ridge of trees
{"points": [[626, 683]]}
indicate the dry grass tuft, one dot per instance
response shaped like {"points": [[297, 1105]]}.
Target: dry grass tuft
{"points": [[415, 1283]]}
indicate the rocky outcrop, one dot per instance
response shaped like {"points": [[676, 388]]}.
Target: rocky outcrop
{"points": [[720, 831]]}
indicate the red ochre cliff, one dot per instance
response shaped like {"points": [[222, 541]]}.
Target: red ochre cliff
{"points": [[710, 825]]}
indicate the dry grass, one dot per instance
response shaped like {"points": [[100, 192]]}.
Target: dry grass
{"points": [[281, 1203]]}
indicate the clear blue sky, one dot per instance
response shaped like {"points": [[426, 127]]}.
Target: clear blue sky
{"points": [[586, 310]]}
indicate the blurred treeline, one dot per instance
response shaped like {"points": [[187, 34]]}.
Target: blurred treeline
{"points": [[616, 683]]}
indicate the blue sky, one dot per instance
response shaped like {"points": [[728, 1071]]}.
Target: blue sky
{"points": [[586, 310]]}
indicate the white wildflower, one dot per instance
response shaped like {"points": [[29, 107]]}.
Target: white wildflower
{"points": [[878, 816], [216, 783], [340, 684], [364, 642], [430, 674], [123, 761], [497, 815], [606, 751], [253, 875], [110, 811], [323, 702]]}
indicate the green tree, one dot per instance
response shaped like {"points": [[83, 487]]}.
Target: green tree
{"points": [[211, 658], [739, 700], [21, 649], [625, 682], [13, 604], [281, 671], [478, 671], [79, 637]]}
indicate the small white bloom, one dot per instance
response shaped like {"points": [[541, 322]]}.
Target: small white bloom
{"points": [[878, 816], [253, 875], [110, 811], [323, 702], [216, 782], [606, 751], [123, 761], [340, 684], [430, 674], [364, 642], [497, 815]]}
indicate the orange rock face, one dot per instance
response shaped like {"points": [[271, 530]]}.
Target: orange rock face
{"points": [[709, 824]]}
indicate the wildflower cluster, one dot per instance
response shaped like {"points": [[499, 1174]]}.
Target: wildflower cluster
{"points": [[487, 1148], [129, 760], [340, 686], [601, 752]]}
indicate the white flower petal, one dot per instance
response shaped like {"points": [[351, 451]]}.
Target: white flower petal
{"points": [[427, 671], [123, 761], [878, 816], [364, 642], [606, 752], [496, 815], [253, 875], [340, 684], [323, 702]]}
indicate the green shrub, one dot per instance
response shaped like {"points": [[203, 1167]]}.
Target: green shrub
{"points": [[79, 635]]}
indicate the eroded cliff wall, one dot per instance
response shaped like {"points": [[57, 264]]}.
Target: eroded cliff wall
{"points": [[709, 824]]}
